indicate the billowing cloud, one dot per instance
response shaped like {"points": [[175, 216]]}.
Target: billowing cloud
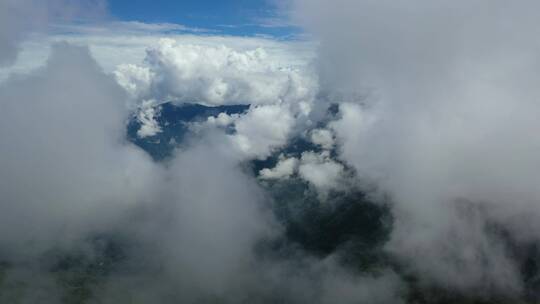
{"points": [[280, 93], [218, 75], [125, 44], [193, 229], [285, 168], [263, 129], [432, 116], [322, 137], [69, 174], [146, 116], [66, 168], [321, 171], [439, 114]]}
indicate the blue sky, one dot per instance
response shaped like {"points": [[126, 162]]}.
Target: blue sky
{"points": [[231, 17]]}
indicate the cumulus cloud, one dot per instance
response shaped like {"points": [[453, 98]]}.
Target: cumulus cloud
{"points": [[322, 137], [321, 171], [193, 228], [115, 44], [214, 75], [285, 168], [262, 130], [435, 111], [222, 119], [280, 93], [134, 79], [439, 110], [146, 116], [69, 174]]}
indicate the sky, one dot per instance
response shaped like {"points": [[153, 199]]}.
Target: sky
{"points": [[232, 17]]}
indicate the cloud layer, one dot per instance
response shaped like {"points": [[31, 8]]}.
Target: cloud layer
{"points": [[423, 109], [439, 111], [193, 229]]}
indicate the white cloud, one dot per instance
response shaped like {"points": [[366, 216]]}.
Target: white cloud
{"points": [[68, 173], [146, 116], [322, 137], [445, 115], [65, 167], [67, 170], [134, 79], [211, 70], [222, 119], [124, 43], [262, 129], [285, 168], [321, 171], [215, 75]]}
